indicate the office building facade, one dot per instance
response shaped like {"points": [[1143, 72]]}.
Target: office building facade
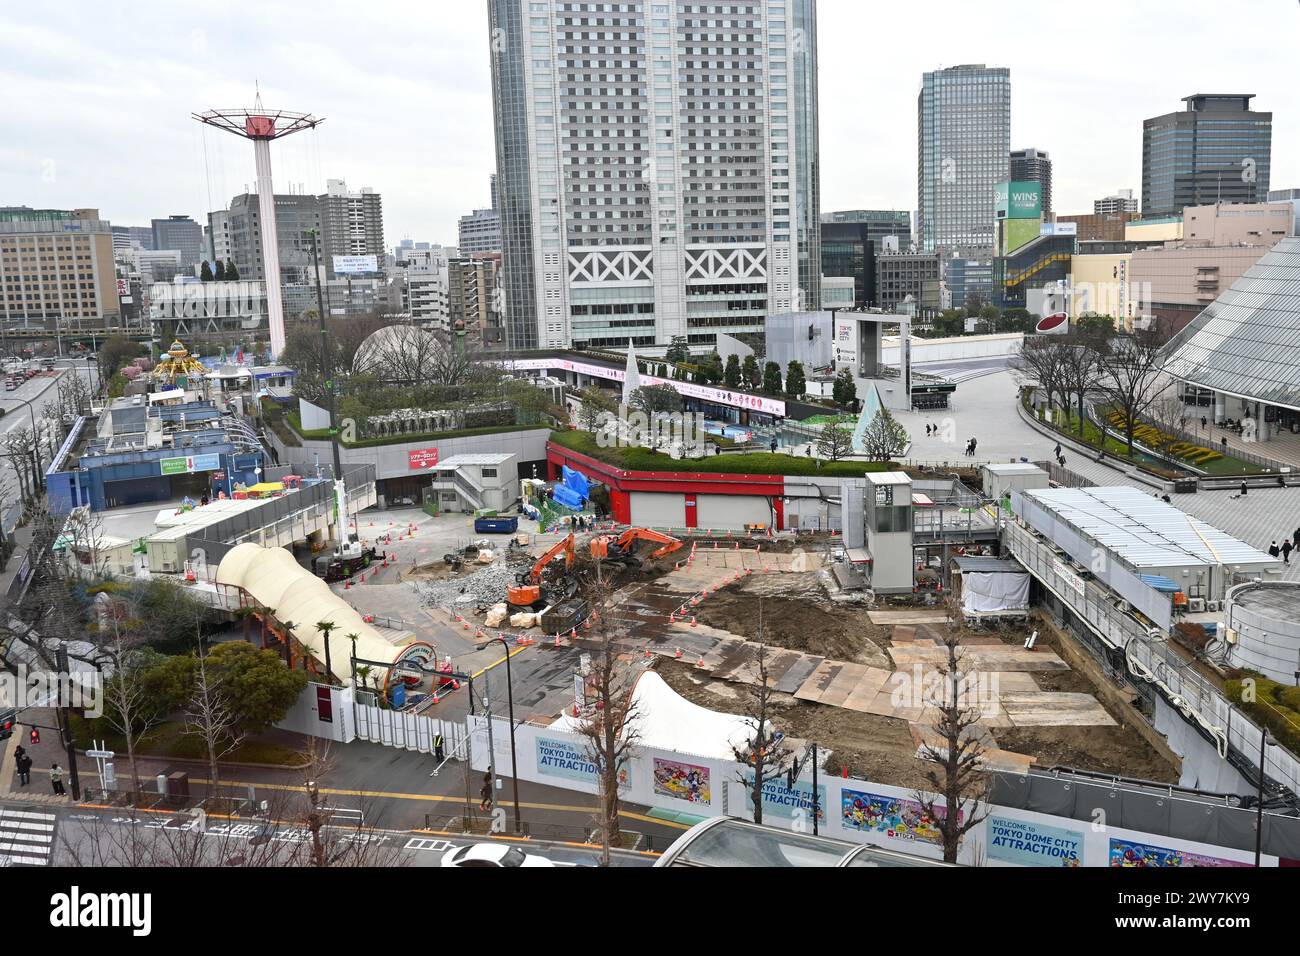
{"points": [[296, 216], [56, 264], [963, 150], [1122, 201], [352, 223], [1033, 165], [848, 251], [480, 232], [880, 223], [657, 168], [1217, 149], [182, 234], [907, 278]]}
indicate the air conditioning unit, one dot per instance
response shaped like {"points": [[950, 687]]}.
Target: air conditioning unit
{"points": [[1213, 605], [1196, 605]]}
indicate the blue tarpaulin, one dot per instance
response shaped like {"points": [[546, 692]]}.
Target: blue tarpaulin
{"points": [[1161, 583]]}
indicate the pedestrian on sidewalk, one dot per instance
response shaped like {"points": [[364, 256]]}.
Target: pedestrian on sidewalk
{"points": [[1295, 538], [1274, 551], [1287, 548], [24, 770], [20, 753], [437, 747], [56, 778], [974, 443], [1244, 489], [485, 792], [1056, 452]]}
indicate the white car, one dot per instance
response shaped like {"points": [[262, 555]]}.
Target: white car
{"points": [[492, 855]]}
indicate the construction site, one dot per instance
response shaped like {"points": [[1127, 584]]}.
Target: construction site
{"points": [[851, 670]]}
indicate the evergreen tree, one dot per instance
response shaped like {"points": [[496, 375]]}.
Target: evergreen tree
{"points": [[205, 272], [732, 374], [232, 274], [845, 390], [221, 271], [795, 384], [772, 378], [749, 372]]}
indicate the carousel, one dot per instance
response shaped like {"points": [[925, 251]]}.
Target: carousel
{"points": [[177, 364]]}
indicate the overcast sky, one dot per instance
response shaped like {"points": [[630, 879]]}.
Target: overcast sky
{"points": [[98, 95]]}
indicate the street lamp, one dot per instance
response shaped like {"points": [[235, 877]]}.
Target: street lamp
{"points": [[510, 698]]}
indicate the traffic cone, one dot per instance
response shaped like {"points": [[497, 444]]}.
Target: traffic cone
{"points": [[557, 640], [466, 625], [700, 662], [587, 624], [647, 653], [692, 622], [678, 655], [573, 634], [347, 585]]}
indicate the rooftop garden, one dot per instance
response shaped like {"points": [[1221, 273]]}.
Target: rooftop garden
{"points": [[754, 463]]}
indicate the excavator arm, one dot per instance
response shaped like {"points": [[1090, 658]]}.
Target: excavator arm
{"points": [[632, 535], [565, 547]]}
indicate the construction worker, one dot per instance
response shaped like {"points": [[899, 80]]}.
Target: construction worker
{"points": [[437, 747]]}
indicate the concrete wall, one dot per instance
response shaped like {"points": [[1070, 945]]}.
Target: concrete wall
{"points": [[953, 349]]}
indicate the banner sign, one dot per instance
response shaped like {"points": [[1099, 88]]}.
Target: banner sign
{"points": [[889, 816], [562, 758], [682, 781], [422, 458], [1033, 844], [186, 466], [722, 396], [355, 265], [1126, 853], [782, 802]]}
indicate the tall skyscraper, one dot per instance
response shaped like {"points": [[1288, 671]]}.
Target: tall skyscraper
{"points": [[963, 148], [182, 234], [352, 224], [1034, 165], [657, 167], [1217, 149]]}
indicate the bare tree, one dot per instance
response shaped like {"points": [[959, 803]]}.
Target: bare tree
{"points": [[1080, 374], [1040, 362], [211, 716], [130, 708], [761, 754], [955, 773], [1131, 376], [609, 725]]}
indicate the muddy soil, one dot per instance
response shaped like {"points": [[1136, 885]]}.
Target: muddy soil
{"points": [[798, 615]]}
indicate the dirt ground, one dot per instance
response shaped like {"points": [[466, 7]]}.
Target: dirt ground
{"points": [[871, 747], [798, 615]]}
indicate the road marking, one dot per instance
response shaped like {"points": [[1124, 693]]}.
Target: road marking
{"points": [[439, 798], [19, 845]]}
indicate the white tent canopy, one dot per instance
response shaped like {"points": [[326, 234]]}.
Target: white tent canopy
{"points": [[667, 721], [293, 594]]}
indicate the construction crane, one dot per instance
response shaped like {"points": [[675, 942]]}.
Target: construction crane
{"points": [[529, 591], [621, 549]]}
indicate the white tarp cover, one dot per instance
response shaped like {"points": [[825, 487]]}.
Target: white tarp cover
{"points": [[983, 592], [667, 721], [276, 581]]}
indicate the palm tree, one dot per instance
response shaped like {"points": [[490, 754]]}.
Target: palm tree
{"points": [[325, 627]]}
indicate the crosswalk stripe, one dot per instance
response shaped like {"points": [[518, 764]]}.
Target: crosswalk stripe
{"points": [[10, 860], [20, 825], [29, 837], [26, 815]]}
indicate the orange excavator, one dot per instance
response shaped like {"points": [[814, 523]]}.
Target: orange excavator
{"points": [[621, 549], [529, 591]]}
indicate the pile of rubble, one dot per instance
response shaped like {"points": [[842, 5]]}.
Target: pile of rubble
{"points": [[487, 586]]}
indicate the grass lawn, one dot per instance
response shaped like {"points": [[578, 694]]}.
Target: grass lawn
{"points": [[756, 463], [169, 740]]}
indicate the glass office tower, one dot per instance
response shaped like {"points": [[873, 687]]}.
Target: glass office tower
{"points": [[963, 150], [1216, 150]]}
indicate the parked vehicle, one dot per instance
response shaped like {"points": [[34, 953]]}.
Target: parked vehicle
{"points": [[492, 855]]}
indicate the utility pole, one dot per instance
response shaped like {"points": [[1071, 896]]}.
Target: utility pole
{"points": [[65, 723], [492, 750], [816, 809], [327, 374]]}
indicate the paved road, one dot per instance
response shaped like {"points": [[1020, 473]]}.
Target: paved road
{"points": [[35, 835]]}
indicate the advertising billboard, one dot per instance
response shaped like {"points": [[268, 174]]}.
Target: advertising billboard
{"points": [[355, 265], [418, 458], [1018, 200], [1033, 844], [189, 465]]}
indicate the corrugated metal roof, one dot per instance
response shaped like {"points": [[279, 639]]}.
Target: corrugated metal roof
{"points": [[1144, 531], [457, 461], [1015, 468], [1247, 342]]}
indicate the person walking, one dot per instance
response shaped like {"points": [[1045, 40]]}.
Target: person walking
{"points": [[485, 792], [1295, 538], [56, 779], [1274, 551], [24, 770], [1056, 452], [974, 444], [1287, 548], [437, 748], [1244, 489]]}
